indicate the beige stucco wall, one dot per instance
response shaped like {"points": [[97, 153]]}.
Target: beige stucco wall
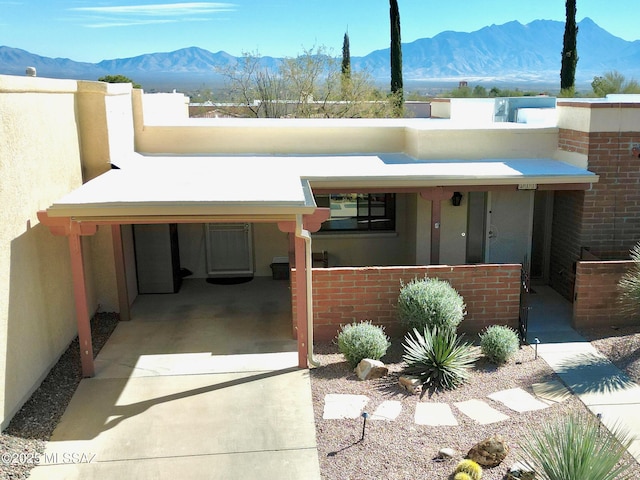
{"points": [[268, 242], [54, 134], [362, 249], [39, 162], [598, 116]]}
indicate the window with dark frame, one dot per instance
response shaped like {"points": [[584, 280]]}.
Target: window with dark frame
{"points": [[359, 212]]}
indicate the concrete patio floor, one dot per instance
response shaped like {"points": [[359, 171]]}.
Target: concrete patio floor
{"points": [[201, 384]]}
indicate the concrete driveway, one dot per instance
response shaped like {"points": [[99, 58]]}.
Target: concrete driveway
{"points": [[202, 384]]}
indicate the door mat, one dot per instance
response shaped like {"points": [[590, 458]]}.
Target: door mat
{"points": [[228, 280]]}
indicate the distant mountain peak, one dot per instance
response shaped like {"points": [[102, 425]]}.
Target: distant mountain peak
{"points": [[511, 51]]}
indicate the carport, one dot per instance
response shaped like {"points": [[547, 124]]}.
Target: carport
{"points": [[161, 190]]}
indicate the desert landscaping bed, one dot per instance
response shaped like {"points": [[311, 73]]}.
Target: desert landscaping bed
{"points": [[402, 449], [398, 449]]}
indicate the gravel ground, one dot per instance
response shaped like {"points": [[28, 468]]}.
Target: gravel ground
{"points": [[390, 450], [400, 449], [26, 436]]}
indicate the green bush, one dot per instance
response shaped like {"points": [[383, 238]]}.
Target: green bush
{"points": [[470, 468], [438, 358], [357, 341], [430, 303], [499, 343], [576, 447]]}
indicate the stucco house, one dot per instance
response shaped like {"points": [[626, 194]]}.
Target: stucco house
{"points": [[100, 180]]}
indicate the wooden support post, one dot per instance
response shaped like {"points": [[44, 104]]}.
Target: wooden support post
{"points": [[82, 308], [301, 302], [121, 275]]}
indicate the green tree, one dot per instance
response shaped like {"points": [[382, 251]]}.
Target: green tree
{"points": [[396, 54], [613, 82], [346, 57], [569, 51], [119, 79], [346, 66]]}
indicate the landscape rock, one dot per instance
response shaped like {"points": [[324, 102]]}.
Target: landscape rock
{"points": [[447, 453], [520, 471], [413, 385], [490, 452], [368, 369]]}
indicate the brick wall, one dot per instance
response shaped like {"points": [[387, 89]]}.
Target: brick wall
{"points": [[596, 295], [605, 218], [344, 295]]}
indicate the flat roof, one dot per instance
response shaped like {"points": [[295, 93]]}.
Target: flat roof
{"points": [[255, 185]]}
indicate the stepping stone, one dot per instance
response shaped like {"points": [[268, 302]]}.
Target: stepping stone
{"points": [[481, 412], [434, 414], [387, 410], [518, 400], [551, 392], [337, 406]]}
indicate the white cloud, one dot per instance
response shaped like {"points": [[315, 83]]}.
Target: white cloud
{"points": [[131, 15], [162, 9]]}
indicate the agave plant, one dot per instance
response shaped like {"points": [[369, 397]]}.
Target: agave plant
{"points": [[575, 449], [438, 358]]}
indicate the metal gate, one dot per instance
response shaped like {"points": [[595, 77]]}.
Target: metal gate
{"points": [[523, 317]]}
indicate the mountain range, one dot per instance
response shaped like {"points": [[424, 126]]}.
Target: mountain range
{"points": [[509, 52]]}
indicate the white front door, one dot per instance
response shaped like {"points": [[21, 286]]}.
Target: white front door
{"points": [[229, 249], [509, 226]]}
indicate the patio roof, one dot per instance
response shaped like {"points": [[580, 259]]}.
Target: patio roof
{"points": [[147, 186]]}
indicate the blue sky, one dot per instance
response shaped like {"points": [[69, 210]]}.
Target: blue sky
{"points": [[94, 30]]}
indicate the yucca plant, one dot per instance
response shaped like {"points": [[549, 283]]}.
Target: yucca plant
{"points": [[576, 448], [438, 358], [629, 284]]}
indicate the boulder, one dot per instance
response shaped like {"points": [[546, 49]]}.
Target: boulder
{"points": [[447, 453], [368, 369], [520, 471], [413, 385], [490, 452]]}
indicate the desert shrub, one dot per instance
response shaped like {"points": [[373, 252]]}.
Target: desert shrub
{"points": [[576, 447], [357, 341], [429, 303], [438, 358], [499, 343], [470, 468]]}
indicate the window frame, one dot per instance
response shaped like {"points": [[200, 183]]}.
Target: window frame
{"points": [[367, 219]]}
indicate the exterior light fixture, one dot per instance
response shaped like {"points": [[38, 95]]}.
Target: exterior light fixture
{"points": [[456, 199], [365, 415]]}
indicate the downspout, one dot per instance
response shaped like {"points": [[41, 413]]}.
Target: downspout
{"points": [[306, 236]]}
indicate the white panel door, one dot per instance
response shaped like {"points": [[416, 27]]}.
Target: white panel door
{"points": [[229, 249], [509, 226]]}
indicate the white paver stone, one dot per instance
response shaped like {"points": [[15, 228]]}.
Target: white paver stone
{"points": [[337, 406], [387, 410], [481, 412], [434, 414], [551, 392], [517, 399]]}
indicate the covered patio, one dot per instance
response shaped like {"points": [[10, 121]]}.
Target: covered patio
{"points": [[275, 189]]}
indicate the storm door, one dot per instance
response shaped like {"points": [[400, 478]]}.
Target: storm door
{"points": [[229, 249]]}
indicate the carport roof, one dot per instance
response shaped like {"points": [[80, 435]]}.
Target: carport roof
{"points": [[281, 185]]}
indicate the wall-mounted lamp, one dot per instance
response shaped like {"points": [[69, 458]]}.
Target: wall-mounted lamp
{"points": [[635, 151], [456, 199]]}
